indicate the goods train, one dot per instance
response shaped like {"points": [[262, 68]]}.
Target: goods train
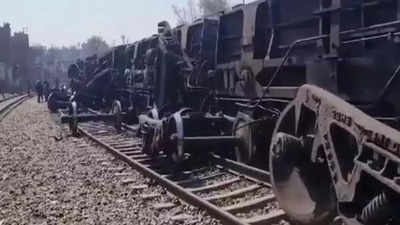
{"points": [[310, 87]]}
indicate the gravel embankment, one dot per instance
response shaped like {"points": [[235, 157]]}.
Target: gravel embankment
{"points": [[44, 180]]}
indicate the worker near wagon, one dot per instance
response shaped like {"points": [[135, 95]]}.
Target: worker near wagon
{"points": [[46, 90], [2, 89], [39, 90]]}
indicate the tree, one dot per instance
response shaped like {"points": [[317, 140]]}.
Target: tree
{"points": [[70, 53], [209, 7], [52, 63], [94, 45], [53, 54], [186, 15], [37, 51]]}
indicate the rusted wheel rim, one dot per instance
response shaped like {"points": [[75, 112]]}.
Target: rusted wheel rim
{"points": [[175, 146], [303, 188]]}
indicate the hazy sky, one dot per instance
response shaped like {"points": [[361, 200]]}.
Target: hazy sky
{"points": [[67, 22]]}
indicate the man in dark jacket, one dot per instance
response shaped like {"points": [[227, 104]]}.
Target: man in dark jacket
{"points": [[2, 88], [39, 90], [46, 90]]}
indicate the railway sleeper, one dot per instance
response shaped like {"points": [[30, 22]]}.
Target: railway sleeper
{"points": [[251, 204]]}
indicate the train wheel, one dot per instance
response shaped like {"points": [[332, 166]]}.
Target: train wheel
{"points": [[244, 151], [175, 144], [148, 135], [73, 124], [116, 111], [302, 185]]}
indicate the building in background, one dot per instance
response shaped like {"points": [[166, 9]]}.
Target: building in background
{"points": [[51, 68], [15, 69], [20, 60], [5, 56]]}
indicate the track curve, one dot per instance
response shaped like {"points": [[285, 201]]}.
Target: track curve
{"points": [[8, 104]]}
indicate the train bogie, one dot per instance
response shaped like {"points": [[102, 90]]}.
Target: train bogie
{"points": [[329, 158]]}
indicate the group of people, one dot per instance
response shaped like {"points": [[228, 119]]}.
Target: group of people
{"points": [[42, 90]]}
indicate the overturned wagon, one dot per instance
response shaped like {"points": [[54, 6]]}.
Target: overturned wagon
{"points": [[333, 151], [331, 144], [306, 89], [101, 88]]}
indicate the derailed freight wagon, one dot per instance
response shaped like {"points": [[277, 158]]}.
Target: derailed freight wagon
{"points": [[334, 150], [101, 88], [180, 68], [317, 82], [308, 86]]}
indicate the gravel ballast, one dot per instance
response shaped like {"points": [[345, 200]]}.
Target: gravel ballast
{"points": [[48, 177]]}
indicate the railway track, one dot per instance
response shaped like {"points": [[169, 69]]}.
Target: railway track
{"points": [[232, 192], [7, 98], [8, 104]]}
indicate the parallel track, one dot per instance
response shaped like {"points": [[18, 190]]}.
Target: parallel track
{"points": [[8, 104], [7, 98], [232, 192]]}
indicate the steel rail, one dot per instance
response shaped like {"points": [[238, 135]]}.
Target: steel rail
{"points": [[244, 169], [8, 98], [5, 110], [183, 193], [257, 178]]}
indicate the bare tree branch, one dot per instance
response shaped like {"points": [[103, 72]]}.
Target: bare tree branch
{"points": [[209, 7], [180, 14], [186, 15]]}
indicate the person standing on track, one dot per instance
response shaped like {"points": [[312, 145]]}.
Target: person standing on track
{"points": [[2, 90], [39, 90], [46, 90]]}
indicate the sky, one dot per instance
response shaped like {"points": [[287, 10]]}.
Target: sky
{"points": [[69, 22]]}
